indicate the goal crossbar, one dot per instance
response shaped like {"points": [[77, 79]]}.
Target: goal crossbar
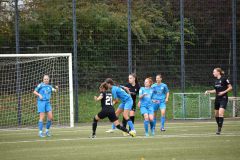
{"points": [[70, 74]]}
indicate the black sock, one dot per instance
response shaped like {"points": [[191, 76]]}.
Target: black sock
{"points": [[124, 122], [132, 118], [94, 126], [217, 120], [122, 128], [221, 119]]}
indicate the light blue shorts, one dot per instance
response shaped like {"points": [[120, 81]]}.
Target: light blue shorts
{"points": [[146, 110], [126, 105], [44, 106], [157, 106]]}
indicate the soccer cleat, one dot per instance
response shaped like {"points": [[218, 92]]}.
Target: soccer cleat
{"points": [[163, 130], [48, 134], [111, 131], [132, 133], [93, 136], [219, 131], [40, 134], [125, 134], [146, 134]]}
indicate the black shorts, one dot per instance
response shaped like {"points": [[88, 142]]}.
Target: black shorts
{"points": [[221, 102], [133, 107], [110, 113]]}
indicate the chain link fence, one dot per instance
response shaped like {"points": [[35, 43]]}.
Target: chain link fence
{"points": [[102, 39]]}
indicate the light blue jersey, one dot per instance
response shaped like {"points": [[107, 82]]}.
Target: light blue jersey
{"points": [[119, 93], [159, 91], [147, 99], [127, 102], [45, 90]]}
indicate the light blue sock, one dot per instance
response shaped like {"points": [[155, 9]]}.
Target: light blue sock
{"points": [[154, 123], [49, 123], [40, 125], [146, 126], [162, 122], [130, 125], [113, 126]]}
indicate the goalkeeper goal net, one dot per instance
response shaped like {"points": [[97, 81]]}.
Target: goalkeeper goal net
{"points": [[191, 106], [20, 74]]}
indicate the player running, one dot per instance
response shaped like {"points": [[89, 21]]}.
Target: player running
{"points": [[107, 111], [221, 88], [43, 91], [127, 102], [146, 107], [160, 98]]}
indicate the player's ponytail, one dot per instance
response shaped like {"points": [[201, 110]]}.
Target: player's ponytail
{"points": [[220, 71]]}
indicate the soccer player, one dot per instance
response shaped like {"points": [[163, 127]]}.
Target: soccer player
{"points": [[160, 98], [43, 91], [126, 102], [146, 107], [133, 87], [107, 111], [221, 88]]}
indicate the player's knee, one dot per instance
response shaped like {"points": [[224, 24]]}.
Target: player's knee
{"points": [[95, 120], [150, 118], [221, 114]]}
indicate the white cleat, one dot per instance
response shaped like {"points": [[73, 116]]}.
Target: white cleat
{"points": [[125, 134], [110, 131]]}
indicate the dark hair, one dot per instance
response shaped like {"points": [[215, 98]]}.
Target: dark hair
{"points": [[104, 85], [135, 76], [219, 70], [109, 81]]}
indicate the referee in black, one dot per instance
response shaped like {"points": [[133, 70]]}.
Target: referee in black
{"points": [[221, 88]]}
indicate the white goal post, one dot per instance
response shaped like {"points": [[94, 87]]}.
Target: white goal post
{"points": [[19, 75]]}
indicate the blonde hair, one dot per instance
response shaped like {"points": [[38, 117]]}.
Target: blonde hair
{"points": [[150, 80], [219, 70]]}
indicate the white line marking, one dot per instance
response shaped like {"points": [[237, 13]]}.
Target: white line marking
{"points": [[138, 137]]}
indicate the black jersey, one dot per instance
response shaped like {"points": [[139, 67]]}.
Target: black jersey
{"points": [[106, 101], [133, 90], [221, 85]]}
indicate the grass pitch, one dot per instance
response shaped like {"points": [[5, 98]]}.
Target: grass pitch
{"points": [[183, 140]]}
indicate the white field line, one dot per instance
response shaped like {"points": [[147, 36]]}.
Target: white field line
{"points": [[88, 129], [138, 137]]}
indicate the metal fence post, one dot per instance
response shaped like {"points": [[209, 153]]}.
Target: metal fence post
{"points": [[75, 74], [129, 39], [182, 46], [234, 49]]}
